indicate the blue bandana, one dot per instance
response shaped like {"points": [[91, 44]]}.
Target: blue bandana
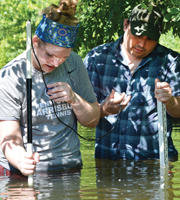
{"points": [[56, 33]]}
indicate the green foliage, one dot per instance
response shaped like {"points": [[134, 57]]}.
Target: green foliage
{"points": [[169, 41], [13, 16], [171, 11], [101, 21]]}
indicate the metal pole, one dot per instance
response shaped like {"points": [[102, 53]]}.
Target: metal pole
{"points": [[162, 127], [29, 87]]}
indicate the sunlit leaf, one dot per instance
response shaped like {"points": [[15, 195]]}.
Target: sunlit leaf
{"points": [[144, 5], [173, 10]]}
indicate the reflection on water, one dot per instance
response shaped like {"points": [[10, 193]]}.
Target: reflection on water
{"points": [[130, 180], [100, 179]]}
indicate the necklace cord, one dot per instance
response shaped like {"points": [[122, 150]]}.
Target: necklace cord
{"points": [[53, 104]]}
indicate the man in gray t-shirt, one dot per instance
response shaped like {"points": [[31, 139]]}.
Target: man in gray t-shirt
{"points": [[56, 145]]}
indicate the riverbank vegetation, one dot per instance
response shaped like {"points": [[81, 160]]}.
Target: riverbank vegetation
{"points": [[100, 22]]}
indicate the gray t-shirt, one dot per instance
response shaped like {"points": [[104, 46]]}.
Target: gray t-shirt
{"points": [[57, 144]]}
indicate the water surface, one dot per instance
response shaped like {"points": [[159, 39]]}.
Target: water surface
{"points": [[100, 179]]}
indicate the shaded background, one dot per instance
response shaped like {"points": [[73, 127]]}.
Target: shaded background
{"points": [[101, 21]]}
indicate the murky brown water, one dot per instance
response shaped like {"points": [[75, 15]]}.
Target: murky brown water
{"points": [[100, 179]]}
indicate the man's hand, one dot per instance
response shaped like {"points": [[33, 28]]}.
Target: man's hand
{"points": [[27, 163], [61, 91], [163, 92], [112, 104]]}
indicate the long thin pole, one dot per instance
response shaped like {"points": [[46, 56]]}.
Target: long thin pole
{"points": [[29, 87], [162, 127]]}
